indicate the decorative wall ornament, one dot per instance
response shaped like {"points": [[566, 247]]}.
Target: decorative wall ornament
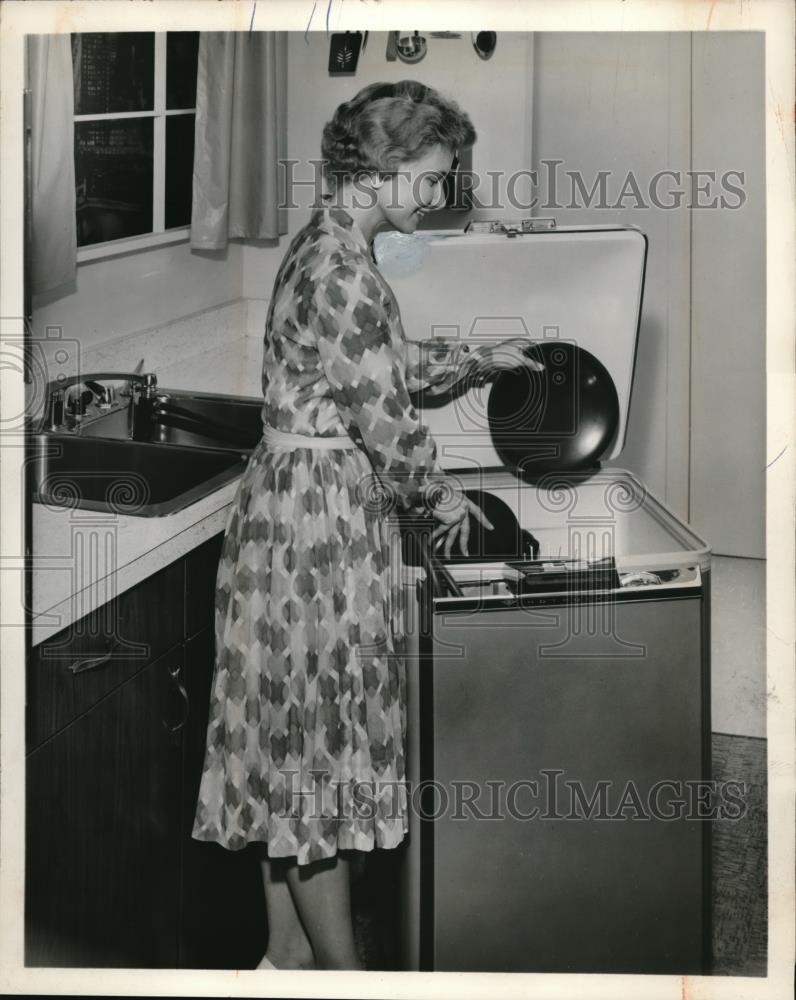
{"points": [[484, 43], [411, 46], [344, 48]]}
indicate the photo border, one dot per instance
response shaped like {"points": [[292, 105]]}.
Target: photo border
{"points": [[773, 17]]}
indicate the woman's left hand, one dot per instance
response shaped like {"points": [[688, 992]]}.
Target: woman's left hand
{"points": [[455, 523], [507, 355]]}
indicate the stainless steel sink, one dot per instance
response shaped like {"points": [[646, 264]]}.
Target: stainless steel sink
{"points": [[202, 420], [189, 419], [124, 476]]}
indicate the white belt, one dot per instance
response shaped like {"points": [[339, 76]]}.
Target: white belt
{"points": [[282, 439]]}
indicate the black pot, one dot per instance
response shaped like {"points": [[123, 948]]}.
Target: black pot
{"points": [[562, 419], [506, 540]]}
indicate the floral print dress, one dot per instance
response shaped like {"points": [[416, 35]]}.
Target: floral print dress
{"points": [[306, 734]]}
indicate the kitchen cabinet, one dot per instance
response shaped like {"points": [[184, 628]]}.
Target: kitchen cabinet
{"points": [[102, 877], [116, 716], [106, 647], [216, 882]]}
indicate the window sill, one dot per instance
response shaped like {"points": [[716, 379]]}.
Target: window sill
{"points": [[134, 244]]}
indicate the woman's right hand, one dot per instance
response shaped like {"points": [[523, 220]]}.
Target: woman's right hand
{"points": [[454, 522], [487, 360]]}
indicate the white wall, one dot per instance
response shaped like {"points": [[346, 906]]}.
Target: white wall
{"points": [[621, 102], [649, 102], [728, 273], [139, 291]]}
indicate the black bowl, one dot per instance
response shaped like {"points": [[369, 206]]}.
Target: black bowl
{"points": [[564, 418]]}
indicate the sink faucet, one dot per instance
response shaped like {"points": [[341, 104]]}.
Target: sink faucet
{"points": [[142, 392]]}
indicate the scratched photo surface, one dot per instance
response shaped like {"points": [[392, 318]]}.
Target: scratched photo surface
{"points": [[391, 474]]}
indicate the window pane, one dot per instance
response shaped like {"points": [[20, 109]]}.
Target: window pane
{"points": [[182, 55], [113, 178], [179, 169], [113, 72]]}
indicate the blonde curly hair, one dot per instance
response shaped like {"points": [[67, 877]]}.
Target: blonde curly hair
{"points": [[387, 124]]}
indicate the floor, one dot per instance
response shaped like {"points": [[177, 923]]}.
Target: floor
{"points": [[740, 869], [738, 706], [738, 639]]}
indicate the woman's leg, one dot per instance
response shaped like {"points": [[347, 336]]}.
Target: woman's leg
{"points": [[322, 894], [288, 945]]}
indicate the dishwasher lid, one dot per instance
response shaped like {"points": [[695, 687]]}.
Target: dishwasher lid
{"points": [[581, 285]]}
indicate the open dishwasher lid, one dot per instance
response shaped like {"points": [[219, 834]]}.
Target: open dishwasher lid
{"points": [[578, 284]]}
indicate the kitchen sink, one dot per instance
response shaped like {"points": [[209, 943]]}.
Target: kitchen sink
{"points": [[202, 420], [189, 419], [124, 476]]}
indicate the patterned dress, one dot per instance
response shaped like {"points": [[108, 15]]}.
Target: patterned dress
{"points": [[305, 740]]}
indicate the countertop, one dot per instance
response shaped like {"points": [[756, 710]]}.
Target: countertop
{"points": [[83, 558]]}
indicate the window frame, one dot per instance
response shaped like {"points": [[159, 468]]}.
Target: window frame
{"points": [[160, 236]]}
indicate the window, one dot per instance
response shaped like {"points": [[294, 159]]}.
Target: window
{"points": [[135, 106]]}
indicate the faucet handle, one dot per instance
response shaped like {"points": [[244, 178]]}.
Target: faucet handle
{"points": [[66, 398], [104, 394], [57, 412], [138, 380], [143, 392]]}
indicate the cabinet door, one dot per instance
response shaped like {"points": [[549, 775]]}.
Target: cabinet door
{"points": [[222, 907], [103, 801], [201, 567], [76, 668]]}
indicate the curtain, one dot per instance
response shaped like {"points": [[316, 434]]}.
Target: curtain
{"points": [[241, 134], [52, 171]]}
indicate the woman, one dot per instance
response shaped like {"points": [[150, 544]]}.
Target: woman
{"points": [[305, 745]]}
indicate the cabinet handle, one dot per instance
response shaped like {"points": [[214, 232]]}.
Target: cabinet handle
{"points": [[174, 674], [92, 662]]}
